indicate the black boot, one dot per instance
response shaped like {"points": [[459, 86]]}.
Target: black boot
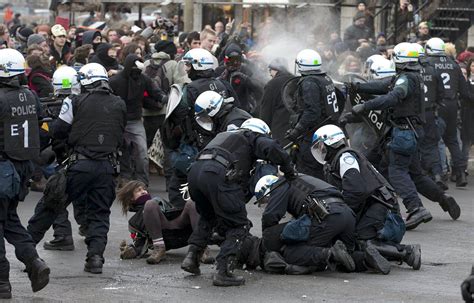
{"points": [[5, 290], [225, 275], [413, 256], [38, 272], [60, 243], [417, 216], [440, 182], [410, 254], [374, 260], [338, 255], [191, 261], [461, 180], [94, 264], [449, 205]]}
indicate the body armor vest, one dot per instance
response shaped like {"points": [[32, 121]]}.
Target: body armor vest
{"points": [[327, 96], [448, 70], [19, 130], [413, 104], [98, 124], [430, 81], [234, 116], [373, 180], [235, 147]]}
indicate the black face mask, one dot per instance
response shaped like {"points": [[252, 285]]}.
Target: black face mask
{"points": [[135, 73]]}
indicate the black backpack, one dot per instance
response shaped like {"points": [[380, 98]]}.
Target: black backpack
{"points": [[158, 73]]}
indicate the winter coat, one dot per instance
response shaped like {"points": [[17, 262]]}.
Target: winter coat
{"points": [[272, 109]]}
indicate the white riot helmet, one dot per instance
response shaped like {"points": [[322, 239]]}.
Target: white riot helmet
{"points": [[92, 72], [12, 63], [420, 49], [308, 60], [209, 102], [382, 68], [435, 46], [200, 59], [65, 81], [370, 61], [256, 125], [405, 52], [207, 105], [328, 135], [264, 185]]}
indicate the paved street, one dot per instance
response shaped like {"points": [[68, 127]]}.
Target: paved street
{"points": [[447, 255]]}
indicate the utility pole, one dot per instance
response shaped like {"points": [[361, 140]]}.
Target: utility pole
{"points": [[188, 15]]}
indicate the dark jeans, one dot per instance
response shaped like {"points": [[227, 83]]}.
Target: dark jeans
{"points": [[220, 204], [406, 176], [134, 160]]}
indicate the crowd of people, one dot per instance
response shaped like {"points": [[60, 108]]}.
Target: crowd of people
{"points": [[94, 112]]}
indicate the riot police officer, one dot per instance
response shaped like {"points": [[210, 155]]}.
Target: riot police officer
{"points": [[453, 83], [66, 85], [434, 92], [19, 144], [200, 64], [406, 103], [330, 218], [366, 192], [316, 105], [93, 123], [218, 182]]}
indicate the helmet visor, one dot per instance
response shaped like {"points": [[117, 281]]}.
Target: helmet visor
{"points": [[319, 151], [204, 121]]}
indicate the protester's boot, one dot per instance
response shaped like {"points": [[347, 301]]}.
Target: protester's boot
{"points": [[127, 251], [158, 254], [374, 260], [206, 257], [60, 243], [416, 217], [225, 275], [440, 182], [191, 261], [38, 273], [410, 254], [5, 289], [338, 254], [94, 264], [449, 205], [461, 180]]}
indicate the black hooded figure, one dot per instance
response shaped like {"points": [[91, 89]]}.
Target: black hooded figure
{"points": [[102, 57], [88, 38], [138, 91]]}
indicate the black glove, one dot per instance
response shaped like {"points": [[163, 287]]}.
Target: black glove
{"points": [[358, 109], [289, 171], [292, 135], [351, 87], [349, 117], [467, 288]]}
